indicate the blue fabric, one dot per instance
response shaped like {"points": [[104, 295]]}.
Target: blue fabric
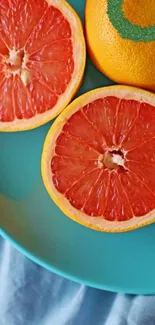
{"points": [[30, 295]]}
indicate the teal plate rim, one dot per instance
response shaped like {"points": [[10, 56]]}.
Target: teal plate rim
{"points": [[49, 267], [35, 258]]}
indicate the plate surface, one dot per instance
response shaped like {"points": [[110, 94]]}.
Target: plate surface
{"points": [[32, 222]]}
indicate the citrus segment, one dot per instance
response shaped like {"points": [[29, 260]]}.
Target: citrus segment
{"points": [[144, 153], [43, 98], [98, 162], [23, 106], [71, 147], [42, 53], [143, 128], [145, 172], [6, 104], [95, 204], [2, 78], [23, 16], [79, 192], [54, 78], [53, 25], [125, 119], [141, 198], [76, 169], [102, 114], [80, 127], [3, 48], [52, 52], [118, 207]]}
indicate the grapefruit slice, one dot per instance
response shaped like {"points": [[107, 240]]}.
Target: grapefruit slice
{"points": [[98, 162], [42, 60]]}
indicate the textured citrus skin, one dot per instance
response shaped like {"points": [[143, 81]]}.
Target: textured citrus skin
{"points": [[123, 60], [95, 223]]}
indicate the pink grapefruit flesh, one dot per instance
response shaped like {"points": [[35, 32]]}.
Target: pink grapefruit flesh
{"points": [[42, 58], [102, 159]]}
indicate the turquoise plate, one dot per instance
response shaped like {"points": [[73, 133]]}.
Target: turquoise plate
{"points": [[33, 223]]}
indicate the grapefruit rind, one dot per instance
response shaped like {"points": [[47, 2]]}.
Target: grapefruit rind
{"points": [[79, 53], [96, 223]]}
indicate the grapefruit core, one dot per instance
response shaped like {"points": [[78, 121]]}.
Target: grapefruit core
{"points": [[42, 60], [98, 161]]}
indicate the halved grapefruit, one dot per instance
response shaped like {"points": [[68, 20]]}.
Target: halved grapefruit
{"points": [[98, 161], [42, 60]]}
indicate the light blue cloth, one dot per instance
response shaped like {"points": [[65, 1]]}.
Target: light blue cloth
{"points": [[31, 295]]}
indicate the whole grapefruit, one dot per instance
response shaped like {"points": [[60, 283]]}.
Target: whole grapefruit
{"points": [[121, 40]]}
